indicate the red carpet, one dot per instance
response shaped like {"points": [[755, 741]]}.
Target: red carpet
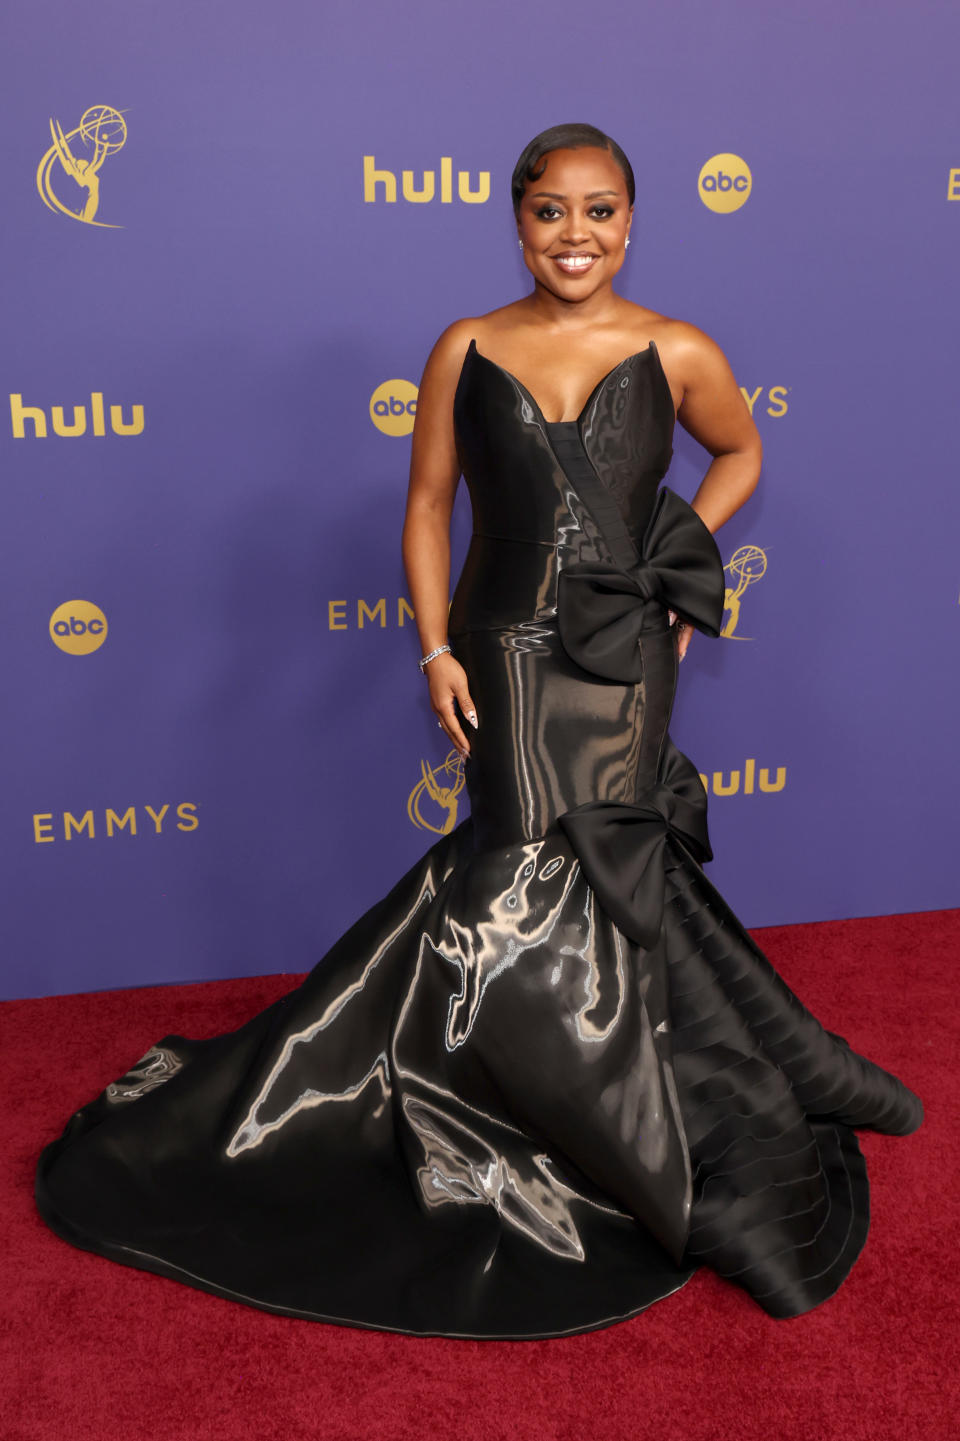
{"points": [[100, 1351]]}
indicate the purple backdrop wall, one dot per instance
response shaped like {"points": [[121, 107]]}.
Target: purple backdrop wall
{"points": [[256, 303]]}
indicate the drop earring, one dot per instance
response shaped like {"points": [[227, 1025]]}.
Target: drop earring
{"points": [[520, 243], [626, 242]]}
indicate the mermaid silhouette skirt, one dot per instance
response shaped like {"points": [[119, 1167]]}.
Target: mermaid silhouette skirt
{"points": [[549, 1075]]}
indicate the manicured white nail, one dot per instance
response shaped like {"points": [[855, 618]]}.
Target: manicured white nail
{"points": [[472, 718]]}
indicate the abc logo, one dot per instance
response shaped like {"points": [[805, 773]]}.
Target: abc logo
{"points": [[393, 406], [724, 183], [78, 627]]}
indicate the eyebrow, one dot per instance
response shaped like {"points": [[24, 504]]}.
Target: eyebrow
{"points": [[549, 195]]}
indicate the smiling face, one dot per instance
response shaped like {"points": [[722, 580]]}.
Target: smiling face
{"points": [[574, 221]]}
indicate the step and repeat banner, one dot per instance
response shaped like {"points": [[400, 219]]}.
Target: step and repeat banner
{"points": [[232, 232]]}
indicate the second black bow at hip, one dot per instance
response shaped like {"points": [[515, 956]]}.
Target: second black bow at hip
{"points": [[622, 848]]}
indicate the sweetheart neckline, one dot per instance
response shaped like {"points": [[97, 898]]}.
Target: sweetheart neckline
{"points": [[649, 349]]}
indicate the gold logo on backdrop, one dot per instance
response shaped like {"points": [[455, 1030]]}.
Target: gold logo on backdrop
{"points": [[393, 406], [102, 131], [727, 783], [745, 567], [78, 627], [724, 183], [20, 414], [48, 825], [440, 787], [367, 613], [777, 403], [426, 191]]}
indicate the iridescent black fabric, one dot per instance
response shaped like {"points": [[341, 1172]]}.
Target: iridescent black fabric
{"points": [[550, 1074]]}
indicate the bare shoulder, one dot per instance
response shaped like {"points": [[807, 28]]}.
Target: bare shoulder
{"points": [[691, 356], [710, 405], [445, 360], [449, 350], [434, 466]]}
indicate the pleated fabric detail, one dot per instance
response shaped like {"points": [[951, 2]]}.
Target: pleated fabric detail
{"points": [[769, 1098]]}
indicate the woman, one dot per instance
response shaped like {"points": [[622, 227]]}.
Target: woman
{"points": [[573, 226], [550, 1074]]}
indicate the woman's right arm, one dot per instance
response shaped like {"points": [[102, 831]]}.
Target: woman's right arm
{"points": [[434, 475]]}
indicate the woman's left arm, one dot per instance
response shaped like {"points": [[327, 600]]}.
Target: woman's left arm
{"points": [[715, 413]]}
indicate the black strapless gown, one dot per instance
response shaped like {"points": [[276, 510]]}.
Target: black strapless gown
{"points": [[549, 1075]]}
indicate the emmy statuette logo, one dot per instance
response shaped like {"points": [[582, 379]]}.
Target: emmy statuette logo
{"points": [[393, 406], [724, 183], [746, 566], [440, 786], [78, 627], [75, 160]]}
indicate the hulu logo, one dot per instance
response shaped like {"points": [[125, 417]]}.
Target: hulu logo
{"points": [[723, 783], [20, 414], [426, 190]]}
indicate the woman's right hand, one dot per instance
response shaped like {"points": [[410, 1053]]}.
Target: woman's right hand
{"points": [[448, 689]]}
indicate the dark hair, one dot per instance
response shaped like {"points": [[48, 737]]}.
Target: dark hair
{"points": [[565, 137]]}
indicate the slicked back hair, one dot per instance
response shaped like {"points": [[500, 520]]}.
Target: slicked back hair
{"points": [[565, 137]]}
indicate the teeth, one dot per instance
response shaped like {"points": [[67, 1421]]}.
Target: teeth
{"points": [[575, 262]]}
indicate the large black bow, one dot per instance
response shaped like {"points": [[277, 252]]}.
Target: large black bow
{"points": [[602, 610], [621, 846]]}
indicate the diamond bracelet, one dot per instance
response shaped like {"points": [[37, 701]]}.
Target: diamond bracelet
{"points": [[432, 656]]}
